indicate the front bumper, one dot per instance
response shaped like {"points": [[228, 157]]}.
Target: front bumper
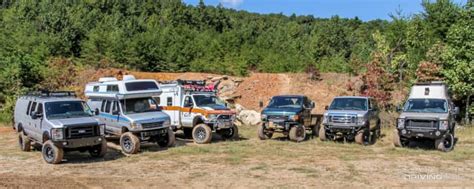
{"points": [[79, 142], [343, 129], [421, 133], [153, 134], [279, 125], [220, 124]]}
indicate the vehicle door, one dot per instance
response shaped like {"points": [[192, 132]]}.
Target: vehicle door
{"points": [[186, 114], [35, 124], [373, 113], [306, 115], [115, 120], [105, 115]]}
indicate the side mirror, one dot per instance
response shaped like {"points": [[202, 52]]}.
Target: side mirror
{"points": [[326, 107], [115, 112], [456, 110], [313, 104], [399, 108], [96, 111], [260, 104], [36, 115]]}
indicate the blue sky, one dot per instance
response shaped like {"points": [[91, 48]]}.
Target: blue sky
{"points": [[364, 9]]}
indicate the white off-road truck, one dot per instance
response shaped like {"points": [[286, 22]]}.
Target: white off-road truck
{"points": [[195, 108]]}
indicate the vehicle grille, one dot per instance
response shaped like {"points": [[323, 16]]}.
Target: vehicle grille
{"points": [[421, 123], [224, 117], [152, 125], [277, 117], [342, 119], [81, 132]]}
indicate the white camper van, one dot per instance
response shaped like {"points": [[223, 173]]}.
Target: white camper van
{"points": [[195, 109], [128, 109]]}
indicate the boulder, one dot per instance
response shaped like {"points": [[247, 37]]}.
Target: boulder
{"points": [[249, 117]]}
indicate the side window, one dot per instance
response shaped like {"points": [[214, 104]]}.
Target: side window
{"points": [[188, 102], [40, 108], [157, 100], [112, 88], [33, 108], [107, 106], [96, 89], [115, 107], [28, 109], [169, 101], [102, 107]]}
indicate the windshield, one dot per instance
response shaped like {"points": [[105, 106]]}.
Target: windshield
{"points": [[66, 109], [286, 102], [207, 100], [426, 105], [139, 105], [349, 104]]}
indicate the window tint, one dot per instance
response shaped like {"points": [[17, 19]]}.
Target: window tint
{"points": [[112, 88], [33, 107], [40, 108], [107, 106], [169, 101], [28, 109], [188, 102], [96, 89], [140, 86]]}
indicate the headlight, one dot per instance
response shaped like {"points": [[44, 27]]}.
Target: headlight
{"points": [[135, 125], [360, 121], [325, 119], [167, 123], [102, 129], [264, 117], [212, 116], [443, 125], [294, 117], [57, 134], [401, 123]]}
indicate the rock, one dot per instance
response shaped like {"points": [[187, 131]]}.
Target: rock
{"points": [[216, 79], [249, 117]]}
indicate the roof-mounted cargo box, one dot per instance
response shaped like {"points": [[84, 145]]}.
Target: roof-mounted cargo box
{"points": [[434, 89]]}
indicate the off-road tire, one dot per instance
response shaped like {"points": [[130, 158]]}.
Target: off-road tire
{"points": [[297, 133], [315, 131], [24, 142], [322, 134], [99, 151], [262, 135], [188, 132], [445, 144], [230, 133], [202, 134], [170, 141], [129, 143], [396, 139], [361, 137], [51, 153]]}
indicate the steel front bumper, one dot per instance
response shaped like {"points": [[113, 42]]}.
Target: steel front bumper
{"points": [[279, 125], [421, 133], [220, 124], [79, 142]]}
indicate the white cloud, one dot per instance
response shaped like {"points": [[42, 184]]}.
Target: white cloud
{"points": [[231, 3]]}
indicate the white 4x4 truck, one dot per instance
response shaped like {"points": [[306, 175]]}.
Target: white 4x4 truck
{"points": [[194, 108]]}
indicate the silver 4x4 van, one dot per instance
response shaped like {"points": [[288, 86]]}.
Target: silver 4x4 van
{"points": [[59, 122]]}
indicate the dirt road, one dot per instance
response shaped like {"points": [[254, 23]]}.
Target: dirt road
{"points": [[247, 163]]}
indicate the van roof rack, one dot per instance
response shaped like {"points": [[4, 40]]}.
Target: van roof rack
{"points": [[46, 93], [431, 83]]}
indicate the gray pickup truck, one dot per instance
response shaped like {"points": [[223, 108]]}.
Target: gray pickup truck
{"points": [[351, 118], [427, 114], [59, 122]]}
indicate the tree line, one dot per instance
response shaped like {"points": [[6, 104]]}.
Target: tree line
{"points": [[168, 35]]}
